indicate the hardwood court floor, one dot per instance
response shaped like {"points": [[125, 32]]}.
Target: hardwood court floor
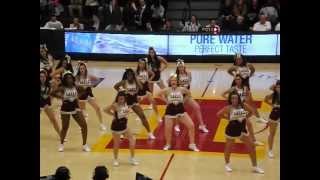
{"points": [[185, 164]]}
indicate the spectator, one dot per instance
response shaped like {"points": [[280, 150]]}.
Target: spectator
{"points": [[95, 23], [62, 173], [54, 23], [225, 14], [192, 26], [91, 8], [239, 24], [262, 24], [129, 11], [239, 8], [215, 28], [65, 4], [100, 173], [168, 26], [58, 8], [144, 16], [76, 25], [270, 11], [277, 28], [113, 17], [75, 5], [253, 12], [157, 15]]}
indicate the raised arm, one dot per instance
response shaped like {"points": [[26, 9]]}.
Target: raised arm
{"points": [[232, 70], [222, 113], [118, 85], [161, 94], [110, 109]]}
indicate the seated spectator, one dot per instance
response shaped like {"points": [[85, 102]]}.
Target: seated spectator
{"points": [[262, 24], [270, 11], [239, 8], [91, 8], [239, 24], [76, 24], [100, 173], [113, 17], [143, 18], [277, 28], [75, 5], [225, 14], [157, 15], [192, 26], [253, 12], [168, 26], [214, 27], [62, 173], [53, 23], [129, 11]]}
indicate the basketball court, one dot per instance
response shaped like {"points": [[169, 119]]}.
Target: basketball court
{"points": [[178, 163]]}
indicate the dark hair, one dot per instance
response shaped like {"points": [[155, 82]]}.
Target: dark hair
{"points": [[69, 65], [234, 81], [125, 75], [78, 70], [100, 173], [244, 62], [275, 94], [62, 173], [157, 61], [145, 65], [120, 93], [239, 98], [64, 79], [47, 82]]}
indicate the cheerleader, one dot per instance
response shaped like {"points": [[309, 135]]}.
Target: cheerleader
{"points": [[157, 64], [120, 110], [85, 80], [131, 85], [63, 66], [174, 96], [184, 80], [144, 75], [242, 67], [45, 99], [246, 97], [237, 113], [46, 59], [274, 118], [70, 106]]}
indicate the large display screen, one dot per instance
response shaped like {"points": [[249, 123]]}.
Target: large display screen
{"points": [[193, 44]]}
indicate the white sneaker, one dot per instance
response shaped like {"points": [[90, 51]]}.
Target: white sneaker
{"points": [[228, 168], [270, 154], [193, 147], [133, 161], [115, 162], [258, 143], [262, 120], [103, 127], [256, 169], [203, 128], [166, 147], [86, 148], [177, 128], [151, 136], [61, 148]]}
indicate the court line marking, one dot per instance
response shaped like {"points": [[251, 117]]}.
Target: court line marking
{"points": [[167, 166], [210, 81]]}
